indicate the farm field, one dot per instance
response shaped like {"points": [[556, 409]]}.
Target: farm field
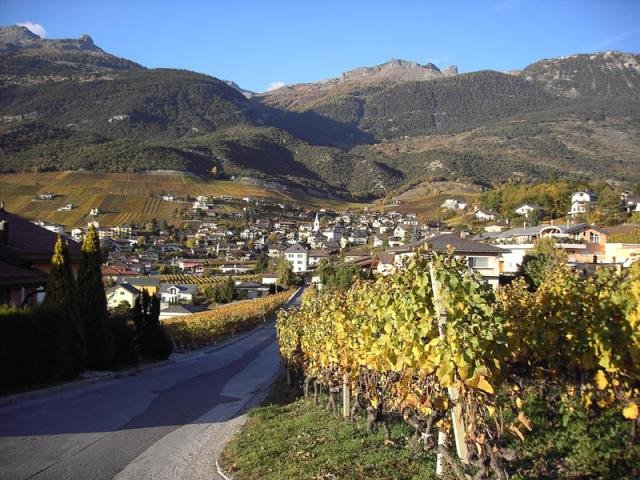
{"points": [[129, 197]]}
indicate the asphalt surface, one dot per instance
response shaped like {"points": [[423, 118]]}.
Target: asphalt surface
{"points": [[168, 422]]}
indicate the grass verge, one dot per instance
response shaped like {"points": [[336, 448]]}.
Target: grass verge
{"points": [[292, 438]]}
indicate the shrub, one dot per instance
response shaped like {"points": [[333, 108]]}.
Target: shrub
{"points": [[35, 347]]}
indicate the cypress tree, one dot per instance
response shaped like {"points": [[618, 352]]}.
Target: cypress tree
{"points": [[93, 304], [68, 353]]}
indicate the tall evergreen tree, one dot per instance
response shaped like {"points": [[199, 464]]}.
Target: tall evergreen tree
{"points": [[92, 303], [69, 345]]}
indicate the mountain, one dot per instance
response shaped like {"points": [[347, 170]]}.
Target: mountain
{"points": [[67, 104], [28, 59], [603, 75], [246, 93]]}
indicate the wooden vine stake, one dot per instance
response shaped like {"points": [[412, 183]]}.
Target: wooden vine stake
{"points": [[456, 413], [346, 396]]}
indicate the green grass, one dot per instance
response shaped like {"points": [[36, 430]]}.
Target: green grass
{"points": [[292, 438]]}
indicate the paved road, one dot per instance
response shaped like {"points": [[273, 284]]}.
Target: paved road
{"points": [[167, 422]]}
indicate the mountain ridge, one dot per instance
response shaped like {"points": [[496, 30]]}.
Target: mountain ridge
{"points": [[363, 134]]}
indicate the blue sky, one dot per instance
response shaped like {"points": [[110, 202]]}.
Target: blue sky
{"points": [[258, 43]]}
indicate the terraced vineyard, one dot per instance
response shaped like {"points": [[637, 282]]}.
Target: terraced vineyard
{"points": [[127, 197], [185, 279]]}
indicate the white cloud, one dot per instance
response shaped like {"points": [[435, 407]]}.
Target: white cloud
{"points": [[275, 86], [35, 28], [437, 60]]}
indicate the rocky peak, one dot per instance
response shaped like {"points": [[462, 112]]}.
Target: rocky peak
{"points": [[395, 70], [17, 34], [450, 70]]}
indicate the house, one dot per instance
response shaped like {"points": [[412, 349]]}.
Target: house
{"points": [[66, 208], [46, 196], [168, 197], [25, 258], [234, 268], [526, 208], [195, 267], [629, 202], [120, 293], [251, 290], [94, 212], [484, 215], [298, 257], [481, 257], [315, 256], [177, 293], [269, 278], [117, 272], [580, 201], [180, 310], [454, 204]]}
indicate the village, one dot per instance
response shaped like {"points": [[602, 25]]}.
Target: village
{"points": [[240, 250]]}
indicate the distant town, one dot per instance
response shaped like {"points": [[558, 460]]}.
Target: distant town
{"points": [[182, 263]]}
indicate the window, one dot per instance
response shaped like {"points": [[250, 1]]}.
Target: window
{"points": [[594, 237], [479, 262]]}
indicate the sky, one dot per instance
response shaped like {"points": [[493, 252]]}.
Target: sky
{"points": [[263, 44]]}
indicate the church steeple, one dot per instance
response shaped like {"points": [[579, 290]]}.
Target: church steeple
{"points": [[316, 224]]}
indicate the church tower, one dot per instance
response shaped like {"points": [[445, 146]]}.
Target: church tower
{"points": [[316, 224]]}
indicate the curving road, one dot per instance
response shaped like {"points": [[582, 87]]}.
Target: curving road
{"points": [[170, 421]]}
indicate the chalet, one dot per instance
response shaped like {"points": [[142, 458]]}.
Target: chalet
{"points": [[25, 258], [194, 267]]}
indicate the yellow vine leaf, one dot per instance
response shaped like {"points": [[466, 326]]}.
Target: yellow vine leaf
{"points": [[601, 380], [480, 383], [630, 411], [517, 432]]}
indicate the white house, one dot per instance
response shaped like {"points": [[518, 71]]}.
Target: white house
{"points": [[580, 201], [454, 204], [94, 212], [484, 215], [526, 208], [168, 197], [122, 292], [175, 293], [298, 257]]}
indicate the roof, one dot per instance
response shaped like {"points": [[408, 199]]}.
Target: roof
{"points": [[144, 281], [164, 287], [183, 309], [28, 242], [441, 242], [14, 276], [296, 248], [117, 270], [127, 286], [251, 285]]}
